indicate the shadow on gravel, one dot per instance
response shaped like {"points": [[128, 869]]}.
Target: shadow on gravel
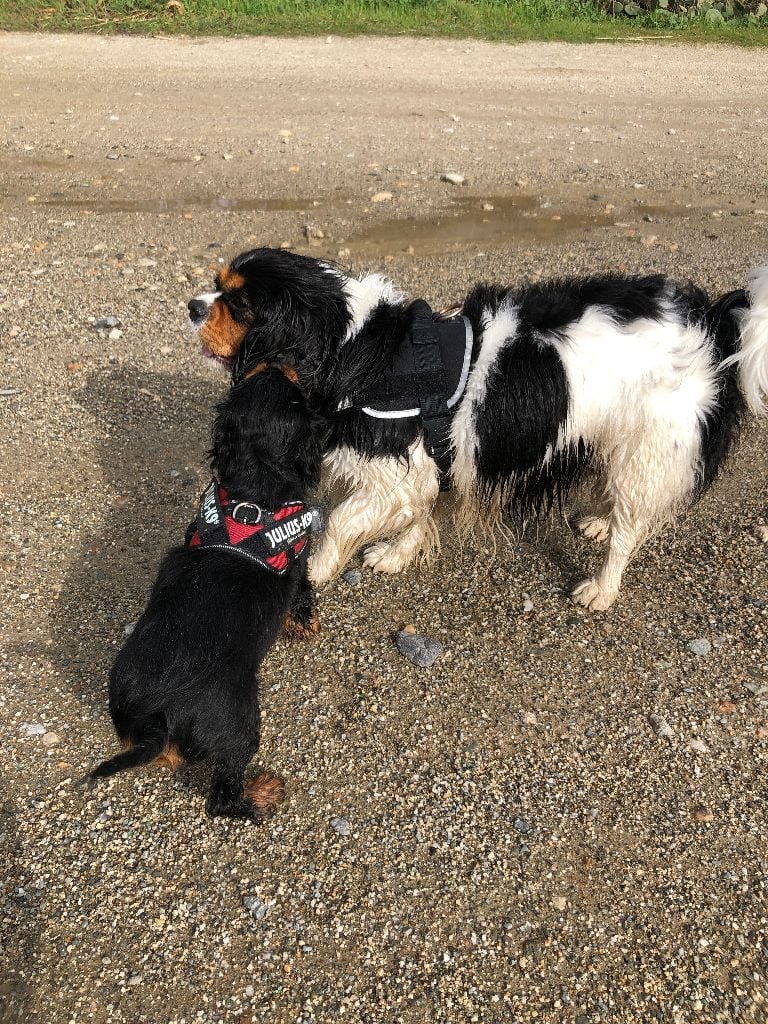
{"points": [[20, 922], [151, 433]]}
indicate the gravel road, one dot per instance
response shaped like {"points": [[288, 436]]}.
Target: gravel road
{"points": [[564, 818]]}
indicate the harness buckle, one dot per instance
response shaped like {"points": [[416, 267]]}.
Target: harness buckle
{"points": [[247, 520]]}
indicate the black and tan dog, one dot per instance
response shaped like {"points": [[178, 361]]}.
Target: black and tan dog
{"points": [[184, 686]]}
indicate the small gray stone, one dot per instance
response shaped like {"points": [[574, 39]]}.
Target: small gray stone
{"points": [[661, 726], [633, 9], [105, 323], [31, 729], [453, 179], [7, 392], [714, 17], [758, 689], [522, 826], [51, 739], [418, 649], [340, 826], [135, 979], [255, 907], [127, 630], [700, 646], [352, 576]]}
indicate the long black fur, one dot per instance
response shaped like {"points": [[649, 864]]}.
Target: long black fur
{"points": [[186, 677]]}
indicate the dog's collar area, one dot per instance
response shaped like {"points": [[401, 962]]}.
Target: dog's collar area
{"points": [[273, 538], [428, 378]]}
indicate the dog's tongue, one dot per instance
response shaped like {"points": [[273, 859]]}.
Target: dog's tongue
{"points": [[221, 360]]}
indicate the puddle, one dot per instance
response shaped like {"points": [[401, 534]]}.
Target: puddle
{"points": [[175, 205], [466, 225]]}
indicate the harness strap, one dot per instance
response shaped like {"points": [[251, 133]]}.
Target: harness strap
{"points": [[436, 418], [272, 539]]}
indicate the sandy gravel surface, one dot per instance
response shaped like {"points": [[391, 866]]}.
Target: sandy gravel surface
{"points": [[501, 838]]}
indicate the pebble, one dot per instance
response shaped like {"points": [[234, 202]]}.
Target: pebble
{"points": [[115, 334], [487, 206], [340, 826], [146, 263], [522, 826], [702, 813], [51, 739], [255, 907], [7, 392], [698, 745], [701, 647], [31, 729], [661, 726], [418, 649], [352, 576], [107, 322], [381, 197], [559, 902], [127, 630], [529, 718], [453, 179], [527, 603]]}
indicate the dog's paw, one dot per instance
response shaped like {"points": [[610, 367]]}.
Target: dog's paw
{"points": [[591, 595], [760, 530], [301, 630], [384, 557], [323, 565], [264, 793], [593, 527]]}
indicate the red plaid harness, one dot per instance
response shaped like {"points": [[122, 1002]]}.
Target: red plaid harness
{"points": [[274, 540]]}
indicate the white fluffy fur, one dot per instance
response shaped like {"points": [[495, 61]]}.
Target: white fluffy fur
{"points": [[364, 295], [753, 352], [389, 499], [208, 298]]}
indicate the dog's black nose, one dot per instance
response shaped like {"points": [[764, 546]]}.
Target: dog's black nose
{"points": [[197, 309]]}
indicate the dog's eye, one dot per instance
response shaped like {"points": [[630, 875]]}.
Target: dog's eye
{"points": [[237, 304]]}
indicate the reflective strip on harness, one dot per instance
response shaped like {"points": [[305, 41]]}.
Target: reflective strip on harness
{"points": [[428, 379]]}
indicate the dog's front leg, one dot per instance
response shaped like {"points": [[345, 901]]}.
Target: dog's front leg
{"points": [[301, 622], [360, 518]]}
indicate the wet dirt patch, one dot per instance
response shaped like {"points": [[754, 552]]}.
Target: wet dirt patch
{"points": [[173, 205], [474, 222]]}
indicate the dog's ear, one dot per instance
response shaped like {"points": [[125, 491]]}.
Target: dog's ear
{"points": [[309, 458]]}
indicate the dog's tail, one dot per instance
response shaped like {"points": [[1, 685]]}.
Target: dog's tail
{"points": [[749, 312], [153, 741]]}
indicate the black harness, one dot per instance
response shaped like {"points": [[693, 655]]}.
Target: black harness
{"points": [[428, 378], [272, 539]]}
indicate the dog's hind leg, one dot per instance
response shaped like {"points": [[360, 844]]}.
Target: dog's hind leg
{"points": [[231, 797], [599, 592], [596, 524]]}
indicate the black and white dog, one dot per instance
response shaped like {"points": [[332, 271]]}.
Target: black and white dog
{"points": [[637, 380]]}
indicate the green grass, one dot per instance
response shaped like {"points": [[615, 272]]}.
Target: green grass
{"points": [[572, 20]]}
